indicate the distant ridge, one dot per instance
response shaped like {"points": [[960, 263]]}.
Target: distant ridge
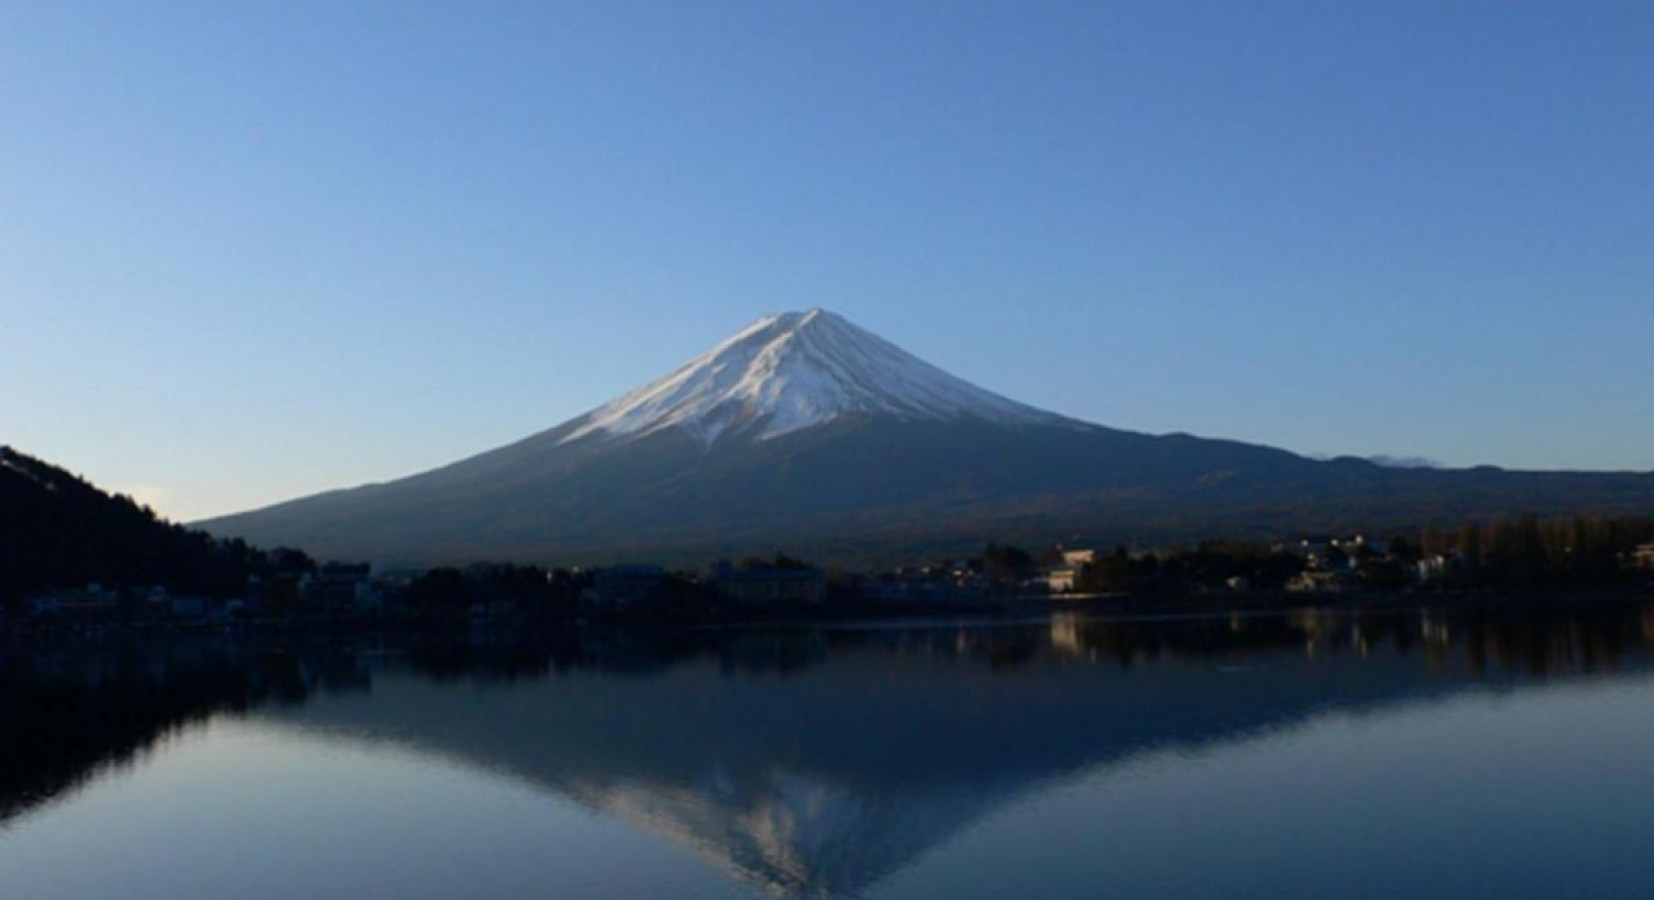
{"points": [[805, 432], [1388, 461]]}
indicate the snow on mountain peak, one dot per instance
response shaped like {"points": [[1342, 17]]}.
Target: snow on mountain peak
{"points": [[795, 370]]}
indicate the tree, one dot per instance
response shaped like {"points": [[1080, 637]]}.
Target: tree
{"points": [[1004, 563]]}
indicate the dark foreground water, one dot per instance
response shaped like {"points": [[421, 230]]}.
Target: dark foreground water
{"points": [[1408, 755]]}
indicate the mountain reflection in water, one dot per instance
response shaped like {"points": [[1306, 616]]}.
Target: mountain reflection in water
{"points": [[808, 761]]}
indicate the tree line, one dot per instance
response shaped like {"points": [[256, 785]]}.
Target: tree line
{"points": [[1529, 551], [58, 531], [1520, 552]]}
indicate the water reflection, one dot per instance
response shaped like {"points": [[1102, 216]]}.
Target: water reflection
{"points": [[809, 762]]}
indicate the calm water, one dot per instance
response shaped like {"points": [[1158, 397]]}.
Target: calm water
{"points": [[1407, 755]]}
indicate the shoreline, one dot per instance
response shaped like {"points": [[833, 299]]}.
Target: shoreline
{"points": [[1009, 610]]}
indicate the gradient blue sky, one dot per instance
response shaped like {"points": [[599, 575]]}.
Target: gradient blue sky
{"points": [[251, 251]]}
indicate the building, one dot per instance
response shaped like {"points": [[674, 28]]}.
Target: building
{"points": [[1061, 580], [1437, 565], [1078, 558], [1643, 556], [341, 588], [1063, 577], [779, 586]]}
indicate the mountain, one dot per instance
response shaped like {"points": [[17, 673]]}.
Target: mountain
{"points": [[793, 371], [1404, 462], [808, 433], [58, 531], [1388, 461]]}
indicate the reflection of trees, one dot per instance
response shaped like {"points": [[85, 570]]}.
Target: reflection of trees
{"points": [[1538, 643], [69, 714], [817, 763], [1533, 643], [1540, 646]]}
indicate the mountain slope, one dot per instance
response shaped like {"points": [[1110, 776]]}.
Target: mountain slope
{"points": [[58, 531], [792, 371], [805, 432]]}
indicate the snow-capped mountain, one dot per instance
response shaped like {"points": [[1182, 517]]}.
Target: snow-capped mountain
{"points": [[806, 433], [797, 370]]}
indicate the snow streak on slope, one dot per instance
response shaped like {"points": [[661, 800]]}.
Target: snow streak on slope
{"points": [[795, 370]]}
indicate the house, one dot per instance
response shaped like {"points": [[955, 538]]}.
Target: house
{"points": [[1064, 576], [1077, 558], [1062, 579], [778, 585], [1437, 565]]}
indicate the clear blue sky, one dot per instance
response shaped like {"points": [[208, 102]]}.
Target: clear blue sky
{"points": [[250, 251]]}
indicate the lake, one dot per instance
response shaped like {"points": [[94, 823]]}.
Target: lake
{"points": [[1382, 755]]}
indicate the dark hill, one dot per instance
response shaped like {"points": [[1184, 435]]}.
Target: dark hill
{"points": [[58, 531]]}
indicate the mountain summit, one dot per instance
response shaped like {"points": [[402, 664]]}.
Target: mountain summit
{"points": [[797, 370], [806, 433]]}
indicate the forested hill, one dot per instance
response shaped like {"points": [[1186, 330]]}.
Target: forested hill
{"points": [[57, 530]]}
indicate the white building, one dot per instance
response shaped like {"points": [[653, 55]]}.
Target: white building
{"points": [[1065, 576]]}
